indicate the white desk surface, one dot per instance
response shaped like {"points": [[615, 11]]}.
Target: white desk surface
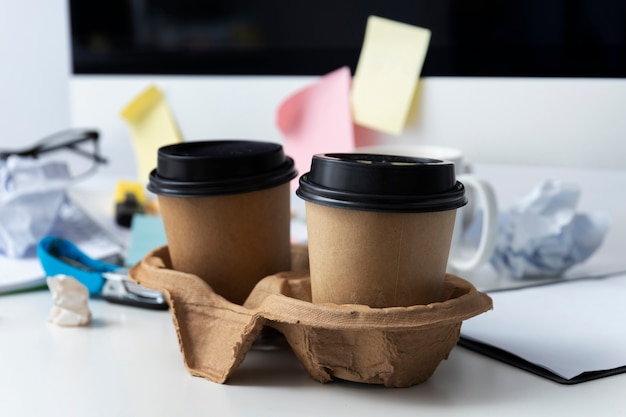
{"points": [[128, 363]]}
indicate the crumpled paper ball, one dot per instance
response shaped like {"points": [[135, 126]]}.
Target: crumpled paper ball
{"points": [[32, 193], [71, 301], [543, 235]]}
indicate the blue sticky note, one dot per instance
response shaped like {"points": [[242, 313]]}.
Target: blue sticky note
{"points": [[146, 233]]}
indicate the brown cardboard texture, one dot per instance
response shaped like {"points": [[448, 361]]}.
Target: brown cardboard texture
{"points": [[208, 237], [395, 346], [379, 259]]}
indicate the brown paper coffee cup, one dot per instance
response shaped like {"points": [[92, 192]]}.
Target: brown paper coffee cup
{"points": [[231, 241], [379, 228], [377, 259], [226, 211]]}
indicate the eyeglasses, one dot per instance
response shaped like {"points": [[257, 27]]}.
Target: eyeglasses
{"points": [[79, 149]]}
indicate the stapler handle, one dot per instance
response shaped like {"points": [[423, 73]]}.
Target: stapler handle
{"points": [[60, 256]]}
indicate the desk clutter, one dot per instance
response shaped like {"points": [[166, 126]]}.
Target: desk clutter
{"points": [[380, 228]]}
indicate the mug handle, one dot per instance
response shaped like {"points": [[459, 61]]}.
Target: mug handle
{"points": [[487, 198]]}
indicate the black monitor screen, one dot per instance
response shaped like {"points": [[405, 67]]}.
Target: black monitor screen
{"points": [[519, 38]]}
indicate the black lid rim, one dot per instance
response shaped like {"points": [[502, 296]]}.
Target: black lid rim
{"points": [[174, 188], [314, 193]]}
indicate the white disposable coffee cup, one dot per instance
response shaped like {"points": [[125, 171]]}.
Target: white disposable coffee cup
{"points": [[463, 258]]}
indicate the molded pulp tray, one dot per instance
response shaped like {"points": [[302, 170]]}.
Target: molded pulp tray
{"points": [[396, 346]]}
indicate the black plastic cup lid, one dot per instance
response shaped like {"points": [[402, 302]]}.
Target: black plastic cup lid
{"points": [[219, 167], [382, 183]]}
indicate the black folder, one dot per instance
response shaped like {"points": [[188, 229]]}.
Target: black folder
{"points": [[514, 360], [596, 292]]}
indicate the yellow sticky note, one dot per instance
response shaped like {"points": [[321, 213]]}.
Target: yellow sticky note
{"points": [[152, 125], [387, 73]]}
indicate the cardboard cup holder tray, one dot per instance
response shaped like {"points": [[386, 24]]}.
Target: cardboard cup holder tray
{"points": [[396, 346]]}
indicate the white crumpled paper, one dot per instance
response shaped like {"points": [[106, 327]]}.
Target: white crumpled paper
{"points": [[71, 301], [543, 235], [31, 194]]}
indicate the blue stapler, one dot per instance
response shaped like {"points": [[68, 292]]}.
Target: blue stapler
{"points": [[60, 256]]}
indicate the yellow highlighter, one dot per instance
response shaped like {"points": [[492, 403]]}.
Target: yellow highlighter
{"points": [[130, 199]]}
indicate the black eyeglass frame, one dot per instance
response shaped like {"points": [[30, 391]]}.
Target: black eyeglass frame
{"points": [[75, 137]]}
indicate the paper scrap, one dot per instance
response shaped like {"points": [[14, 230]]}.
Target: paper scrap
{"points": [[71, 301], [387, 73], [32, 193], [317, 119], [152, 125], [543, 235]]}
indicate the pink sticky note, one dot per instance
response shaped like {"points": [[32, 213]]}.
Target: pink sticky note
{"points": [[317, 119]]}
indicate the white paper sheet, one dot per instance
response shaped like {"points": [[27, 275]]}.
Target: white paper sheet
{"points": [[568, 328], [73, 224]]}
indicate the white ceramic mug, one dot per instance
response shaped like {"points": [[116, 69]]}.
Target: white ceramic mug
{"points": [[463, 259]]}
